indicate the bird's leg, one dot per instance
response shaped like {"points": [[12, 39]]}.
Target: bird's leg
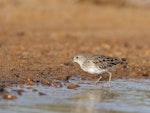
{"points": [[110, 74], [98, 80]]}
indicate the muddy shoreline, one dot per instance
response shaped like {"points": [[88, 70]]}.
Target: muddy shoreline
{"points": [[37, 42]]}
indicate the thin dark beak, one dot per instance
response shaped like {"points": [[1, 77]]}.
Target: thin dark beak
{"points": [[70, 63], [72, 60]]}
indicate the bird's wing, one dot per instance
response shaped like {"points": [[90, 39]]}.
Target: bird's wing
{"points": [[103, 61]]}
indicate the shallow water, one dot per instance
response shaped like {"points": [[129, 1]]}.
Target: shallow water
{"points": [[125, 96]]}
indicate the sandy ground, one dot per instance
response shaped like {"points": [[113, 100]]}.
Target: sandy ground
{"points": [[39, 37]]}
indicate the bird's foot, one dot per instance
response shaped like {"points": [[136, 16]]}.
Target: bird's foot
{"points": [[96, 82]]}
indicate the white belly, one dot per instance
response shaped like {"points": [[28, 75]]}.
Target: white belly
{"points": [[94, 70]]}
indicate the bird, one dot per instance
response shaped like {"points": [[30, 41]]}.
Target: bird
{"points": [[97, 64]]}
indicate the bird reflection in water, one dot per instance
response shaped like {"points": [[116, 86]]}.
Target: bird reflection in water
{"points": [[89, 101]]}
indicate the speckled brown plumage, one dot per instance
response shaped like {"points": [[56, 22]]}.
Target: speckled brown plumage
{"points": [[97, 64]]}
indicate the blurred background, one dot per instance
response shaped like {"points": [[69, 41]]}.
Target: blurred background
{"points": [[39, 38]]}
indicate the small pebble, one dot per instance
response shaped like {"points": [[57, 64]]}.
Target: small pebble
{"points": [[9, 97], [34, 90], [41, 93], [46, 82], [2, 88], [133, 74], [57, 84], [19, 92], [72, 86]]}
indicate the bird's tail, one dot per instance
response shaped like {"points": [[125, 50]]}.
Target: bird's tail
{"points": [[123, 60]]}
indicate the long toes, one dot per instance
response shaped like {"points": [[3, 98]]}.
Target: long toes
{"points": [[95, 83]]}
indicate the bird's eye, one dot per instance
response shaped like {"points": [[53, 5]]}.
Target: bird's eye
{"points": [[77, 57]]}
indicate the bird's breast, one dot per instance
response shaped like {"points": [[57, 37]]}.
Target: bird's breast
{"points": [[93, 69]]}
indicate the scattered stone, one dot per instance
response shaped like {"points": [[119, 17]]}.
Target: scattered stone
{"points": [[34, 90], [29, 79], [67, 78], [46, 82], [30, 83], [72, 86], [19, 92], [60, 78], [2, 88], [41, 93], [9, 97], [145, 74], [8, 84], [57, 84], [133, 74], [36, 81], [21, 33], [29, 87]]}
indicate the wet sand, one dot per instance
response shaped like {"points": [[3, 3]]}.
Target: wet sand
{"points": [[38, 39]]}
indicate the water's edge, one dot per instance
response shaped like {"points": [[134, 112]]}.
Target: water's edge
{"points": [[125, 96]]}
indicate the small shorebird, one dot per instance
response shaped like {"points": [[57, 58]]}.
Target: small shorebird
{"points": [[97, 64]]}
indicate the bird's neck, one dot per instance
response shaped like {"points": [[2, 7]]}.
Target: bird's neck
{"points": [[81, 63]]}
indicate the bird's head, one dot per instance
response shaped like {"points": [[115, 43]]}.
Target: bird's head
{"points": [[80, 58]]}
